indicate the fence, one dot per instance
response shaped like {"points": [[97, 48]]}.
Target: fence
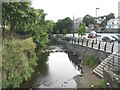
{"points": [[104, 46]]}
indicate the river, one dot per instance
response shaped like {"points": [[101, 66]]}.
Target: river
{"points": [[55, 69]]}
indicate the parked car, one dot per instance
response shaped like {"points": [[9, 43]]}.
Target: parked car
{"points": [[118, 35], [91, 35], [116, 38], [108, 39], [119, 38], [97, 35]]}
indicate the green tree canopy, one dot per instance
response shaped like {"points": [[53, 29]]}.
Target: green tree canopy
{"points": [[20, 17], [87, 19], [82, 29], [62, 24]]}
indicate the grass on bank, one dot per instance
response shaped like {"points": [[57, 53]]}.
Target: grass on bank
{"points": [[91, 61]]}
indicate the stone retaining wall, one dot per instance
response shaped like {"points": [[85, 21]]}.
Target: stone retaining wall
{"points": [[83, 51]]}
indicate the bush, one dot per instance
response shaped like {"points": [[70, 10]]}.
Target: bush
{"points": [[102, 83], [19, 60], [91, 61]]}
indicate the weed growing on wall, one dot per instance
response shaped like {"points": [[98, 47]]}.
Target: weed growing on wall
{"points": [[91, 61]]}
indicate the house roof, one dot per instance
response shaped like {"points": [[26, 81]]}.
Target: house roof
{"points": [[113, 21]]}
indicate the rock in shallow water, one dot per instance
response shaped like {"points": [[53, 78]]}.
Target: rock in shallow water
{"points": [[65, 81]]}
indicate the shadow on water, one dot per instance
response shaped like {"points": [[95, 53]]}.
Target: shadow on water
{"points": [[75, 61], [41, 69], [55, 69]]}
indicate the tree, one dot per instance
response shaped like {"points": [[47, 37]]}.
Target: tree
{"points": [[22, 18], [13, 14], [50, 24], [62, 24], [64, 31], [88, 20], [82, 29]]}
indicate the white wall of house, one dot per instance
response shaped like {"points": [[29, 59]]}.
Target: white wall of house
{"points": [[112, 24]]}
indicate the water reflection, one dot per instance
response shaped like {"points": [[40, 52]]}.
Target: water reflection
{"points": [[55, 69], [77, 63]]}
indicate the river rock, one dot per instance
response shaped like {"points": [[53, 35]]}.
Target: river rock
{"points": [[65, 81], [61, 85]]}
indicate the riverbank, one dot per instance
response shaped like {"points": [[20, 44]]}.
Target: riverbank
{"points": [[87, 79]]}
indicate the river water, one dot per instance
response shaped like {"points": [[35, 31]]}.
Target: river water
{"points": [[56, 69]]}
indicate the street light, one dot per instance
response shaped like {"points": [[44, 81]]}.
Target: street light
{"points": [[73, 26], [96, 25]]}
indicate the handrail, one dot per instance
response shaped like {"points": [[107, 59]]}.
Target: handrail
{"points": [[115, 55]]}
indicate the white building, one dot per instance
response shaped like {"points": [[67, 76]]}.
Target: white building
{"points": [[112, 24]]}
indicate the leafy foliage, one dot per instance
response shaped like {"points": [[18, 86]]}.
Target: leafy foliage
{"points": [[64, 31], [82, 29], [19, 61], [62, 24], [87, 19], [15, 15], [20, 17], [19, 57]]}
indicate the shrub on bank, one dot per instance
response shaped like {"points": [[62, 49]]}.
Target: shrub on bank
{"points": [[91, 61], [18, 62]]}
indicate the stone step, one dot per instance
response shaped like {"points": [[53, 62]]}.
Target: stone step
{"points": [[104, 64], [99, 69], [98, 73]]}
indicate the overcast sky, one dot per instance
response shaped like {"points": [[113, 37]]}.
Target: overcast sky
{"points": [[59, 9]]}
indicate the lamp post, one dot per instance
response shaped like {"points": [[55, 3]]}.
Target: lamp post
{"points": [[96, 25], [73, 27]]}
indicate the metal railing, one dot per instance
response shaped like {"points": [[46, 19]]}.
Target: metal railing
{"points": [[104, 46], [116, 61]]}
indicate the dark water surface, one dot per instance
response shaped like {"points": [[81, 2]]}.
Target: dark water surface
{"points": [[56, 69]]}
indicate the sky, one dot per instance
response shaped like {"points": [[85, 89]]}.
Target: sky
{"points": [[59, 9]]}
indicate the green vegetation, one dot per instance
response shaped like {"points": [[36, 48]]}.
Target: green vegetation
{"points": [[104, 19], [20, 56], [100, 85], [19, 61], [91, 61], [64, 31], [82, 29], [87, 19], [63, 24]]}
